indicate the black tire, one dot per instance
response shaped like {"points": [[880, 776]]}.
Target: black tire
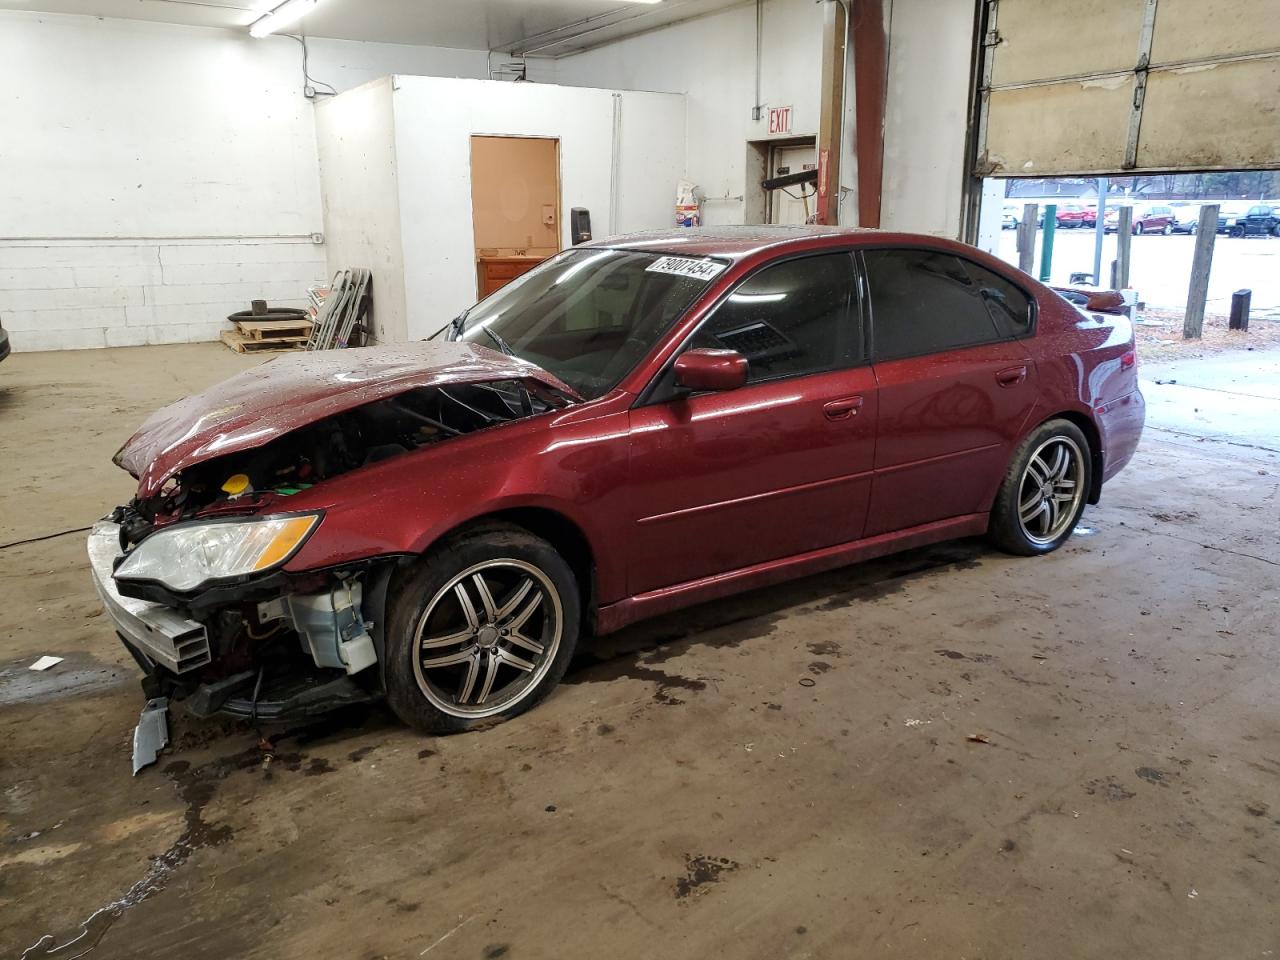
{"points": [[1007, 529], [502, 551], [1237, 232]]}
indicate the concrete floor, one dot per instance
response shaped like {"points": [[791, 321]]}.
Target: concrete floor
{"points": [[788, 774]]}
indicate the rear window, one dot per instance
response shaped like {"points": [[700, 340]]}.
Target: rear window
{"points": [[926, 301]]}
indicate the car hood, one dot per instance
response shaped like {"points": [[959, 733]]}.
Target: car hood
{"points": [[294, 390]]}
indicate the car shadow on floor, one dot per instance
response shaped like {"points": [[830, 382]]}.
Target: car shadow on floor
{"points": [[633, 651]]}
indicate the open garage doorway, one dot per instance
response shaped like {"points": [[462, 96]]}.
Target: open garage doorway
{"points": [[1164, 216]]}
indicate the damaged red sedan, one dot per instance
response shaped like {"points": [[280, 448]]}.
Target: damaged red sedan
{"points": [[632, 427]]}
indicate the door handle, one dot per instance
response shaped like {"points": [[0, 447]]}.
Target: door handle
{"points": [[1011, 376], [842, 409]]}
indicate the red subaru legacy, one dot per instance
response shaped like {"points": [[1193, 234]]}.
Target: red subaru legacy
{"points": [[634, 426]]}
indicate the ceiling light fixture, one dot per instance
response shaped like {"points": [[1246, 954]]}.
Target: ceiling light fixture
{"points": [[289, 12]]}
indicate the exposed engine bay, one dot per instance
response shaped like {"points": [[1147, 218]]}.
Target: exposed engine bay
{"points": [[333, 446]]}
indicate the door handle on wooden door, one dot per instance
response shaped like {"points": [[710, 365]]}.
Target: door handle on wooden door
{"points": [[843, 408], [1012, 376]]}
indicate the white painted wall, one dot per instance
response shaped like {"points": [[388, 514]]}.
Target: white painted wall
{"points": [[356, 138], [434, 121], [711, 60], [926, 115], [154, 177]]}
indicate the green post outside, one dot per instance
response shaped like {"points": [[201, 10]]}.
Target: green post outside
{"points": [[1046, 249]]}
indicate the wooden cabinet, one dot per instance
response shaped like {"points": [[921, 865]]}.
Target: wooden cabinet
{"points": [[493, 273]]}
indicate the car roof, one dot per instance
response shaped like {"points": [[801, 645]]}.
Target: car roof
{"points": [[739, 242]]}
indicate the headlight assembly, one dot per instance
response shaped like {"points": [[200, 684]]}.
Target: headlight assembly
{"points": [[185, 557]]}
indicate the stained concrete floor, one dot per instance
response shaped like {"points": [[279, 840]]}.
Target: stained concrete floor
{"points": [[787, 774]]}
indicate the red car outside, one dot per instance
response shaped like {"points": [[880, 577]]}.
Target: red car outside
{"points": [[1071, 215], [634, 426]]}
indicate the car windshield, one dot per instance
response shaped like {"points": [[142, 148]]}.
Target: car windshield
{"points": [[588, 315]]}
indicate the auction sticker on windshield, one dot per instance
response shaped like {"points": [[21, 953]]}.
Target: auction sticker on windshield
{"points": [[686, 267]]}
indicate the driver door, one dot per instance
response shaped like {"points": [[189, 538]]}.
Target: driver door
{"points": [[781, 466]]}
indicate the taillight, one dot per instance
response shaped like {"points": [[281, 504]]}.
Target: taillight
{"points": [[1128, 360]]}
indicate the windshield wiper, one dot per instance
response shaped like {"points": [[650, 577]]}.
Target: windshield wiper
{"points": [[502, 344]]}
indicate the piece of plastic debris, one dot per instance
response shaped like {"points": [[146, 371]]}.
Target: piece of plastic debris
{"points": [[1193, 893], [978, 738], [807, 681], [151, 735], [44, 663]]}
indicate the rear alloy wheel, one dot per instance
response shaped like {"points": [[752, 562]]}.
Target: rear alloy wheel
{"points": [[481, 630], [1044, 491], [1168, 229], [1191, 230]]}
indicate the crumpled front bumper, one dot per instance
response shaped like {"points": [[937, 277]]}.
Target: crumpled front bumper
{"points": [[159, 633]]}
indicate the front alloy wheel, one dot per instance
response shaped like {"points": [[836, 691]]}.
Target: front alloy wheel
{"points": [[487, 637], [480, 629]]}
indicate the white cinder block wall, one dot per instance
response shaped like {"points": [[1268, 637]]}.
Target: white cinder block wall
{"points": [[154, 178]]}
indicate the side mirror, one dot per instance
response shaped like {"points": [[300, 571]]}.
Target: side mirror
{"points": [[711, 370]]}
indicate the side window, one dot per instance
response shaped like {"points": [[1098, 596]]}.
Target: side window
{"points": [[789, 319], [1009, 307], [923, 301]]}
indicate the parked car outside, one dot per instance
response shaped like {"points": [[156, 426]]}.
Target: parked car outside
{"points": [[1186, 217], [633, 426], [1071, 215], [1157, 218], [1230, 217], [1111, 219], [1010, 217], [1260, 220]]}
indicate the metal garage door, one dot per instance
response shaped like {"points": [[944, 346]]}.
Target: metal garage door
{"points": [[1104, 86]]}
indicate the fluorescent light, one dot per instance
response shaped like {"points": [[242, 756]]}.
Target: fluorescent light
{"points": [[289, 12]]}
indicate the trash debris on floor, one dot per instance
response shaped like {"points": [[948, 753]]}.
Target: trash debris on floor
{"points": [[44, 663]]}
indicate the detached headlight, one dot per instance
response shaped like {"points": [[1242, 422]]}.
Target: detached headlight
{"points": [[183, 558]]}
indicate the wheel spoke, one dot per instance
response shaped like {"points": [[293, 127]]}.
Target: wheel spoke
{"points": [[1061, 461], [518, 662], [523, 616], [448, 659], [1027, 504], [468, 608], [1051, 522], [514, 600], [469, 681], [491, 671], [1038, 470], [1031, 510], [450, 640], [520, 640], [486, 598]]}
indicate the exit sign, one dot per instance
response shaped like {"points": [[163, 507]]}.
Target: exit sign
{"points": [[779, 120]]}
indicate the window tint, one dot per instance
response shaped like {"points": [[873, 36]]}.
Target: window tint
{"points": [[789, 319], [1009, 307], [923, 301]]}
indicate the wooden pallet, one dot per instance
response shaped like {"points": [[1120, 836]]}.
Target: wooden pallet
{"points": [[244, 344], [289, 330]]}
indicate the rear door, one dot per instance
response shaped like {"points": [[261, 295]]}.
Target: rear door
{"points": [[956, 384], [780, 466]]}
